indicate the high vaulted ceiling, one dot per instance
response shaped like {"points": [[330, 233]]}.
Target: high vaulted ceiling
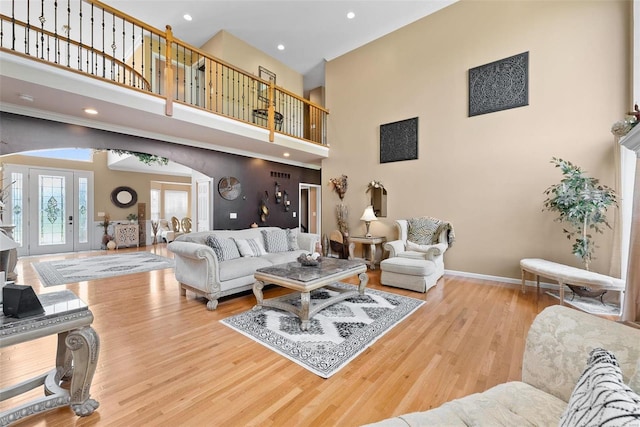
{"points": [[311, 31]]}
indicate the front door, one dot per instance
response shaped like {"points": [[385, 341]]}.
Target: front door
{"points": [[52, 212]]}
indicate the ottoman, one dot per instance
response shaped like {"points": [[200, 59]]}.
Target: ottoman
{"points": [[407, 273]]}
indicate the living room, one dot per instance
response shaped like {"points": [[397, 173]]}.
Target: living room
{"points": [[484, 174]]}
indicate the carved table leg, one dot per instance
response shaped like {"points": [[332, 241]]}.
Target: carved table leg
{"points": [[364, 279], [84, 345], [257, 291], [305, 300], [64, 358]]}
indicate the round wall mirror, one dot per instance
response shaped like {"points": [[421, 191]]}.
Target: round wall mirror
{"points": [[124, 197]]}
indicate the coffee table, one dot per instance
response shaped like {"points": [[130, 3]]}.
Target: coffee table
{"points": [[305, 279]]}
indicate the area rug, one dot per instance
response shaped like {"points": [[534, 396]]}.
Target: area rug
{"points": [[336, 335], [590, 305], [53, 273]]}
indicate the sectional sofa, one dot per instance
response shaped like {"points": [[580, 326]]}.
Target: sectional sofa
{"points": [[217, 263], [564, 381]]}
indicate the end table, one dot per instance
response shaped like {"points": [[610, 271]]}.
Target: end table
{"points": [[371, 248], [76, 358]]}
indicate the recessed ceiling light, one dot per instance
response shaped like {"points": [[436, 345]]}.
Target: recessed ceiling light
{"points": [[91, 111], [280, 47], [26, 97], [351, 15], [187, 17], [286, 154]]}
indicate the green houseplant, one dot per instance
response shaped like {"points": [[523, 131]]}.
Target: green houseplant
{"points": [[582, 202]]}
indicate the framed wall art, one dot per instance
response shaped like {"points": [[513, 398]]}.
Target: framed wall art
{"points": [[499, 85], [399, 141]]}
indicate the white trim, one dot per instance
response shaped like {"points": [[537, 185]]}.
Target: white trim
{"points": [[532, 283]]}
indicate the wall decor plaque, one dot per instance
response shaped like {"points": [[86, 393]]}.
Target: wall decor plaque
{"points": [[499, 85], [399, 141]]}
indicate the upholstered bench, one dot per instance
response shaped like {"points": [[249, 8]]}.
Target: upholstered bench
{"points": [[407, 273], [567, 275]]}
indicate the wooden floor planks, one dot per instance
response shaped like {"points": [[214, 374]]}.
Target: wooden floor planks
{"points": [[166, 360]]}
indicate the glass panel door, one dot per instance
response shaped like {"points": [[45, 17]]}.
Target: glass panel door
{"points": [[51, 219]]}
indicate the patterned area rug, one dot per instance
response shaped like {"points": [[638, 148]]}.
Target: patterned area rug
{"points": [[590, 305], [336, 334], [63, 271]]}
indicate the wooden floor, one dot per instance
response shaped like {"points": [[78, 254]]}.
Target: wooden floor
{"points": [[166, 360]]}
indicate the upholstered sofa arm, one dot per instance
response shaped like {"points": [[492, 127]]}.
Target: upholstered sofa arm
{"points": [[435, 251], [394, 247], [307, 241], [196, 265], [559, 342]]}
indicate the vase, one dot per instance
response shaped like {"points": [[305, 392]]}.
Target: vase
{"points": [[325, 245], [111, 245]]}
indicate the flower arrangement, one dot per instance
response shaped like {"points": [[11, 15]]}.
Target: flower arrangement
{"points": [[339, 185], [374, 184], [105, 223], [623, 127]]}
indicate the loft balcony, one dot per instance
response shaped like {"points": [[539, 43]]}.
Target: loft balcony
{"points": [[145, 82]]}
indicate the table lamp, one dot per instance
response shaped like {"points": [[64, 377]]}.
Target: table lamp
{"points": [[367, 217]]}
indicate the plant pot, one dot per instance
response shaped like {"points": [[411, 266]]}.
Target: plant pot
{"points": [[111, 245]]}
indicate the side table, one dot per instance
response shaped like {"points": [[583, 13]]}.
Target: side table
{"points": [[126, 235], [76, 357], [371, 248]]}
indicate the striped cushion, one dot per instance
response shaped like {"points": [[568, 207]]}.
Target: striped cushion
{"points": [[250, 247], [422, 230], [275, 240], [225, 249], [601, 398]]}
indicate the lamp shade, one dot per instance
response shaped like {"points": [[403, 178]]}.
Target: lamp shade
{"points": [[368, 214], [6, 242]]}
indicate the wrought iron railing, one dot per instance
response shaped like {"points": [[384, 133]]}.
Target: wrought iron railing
{"points": [[95, 39]]}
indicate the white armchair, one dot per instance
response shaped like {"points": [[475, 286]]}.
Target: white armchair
{"points": [[416, 266]]}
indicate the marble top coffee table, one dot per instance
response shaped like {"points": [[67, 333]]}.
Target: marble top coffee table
{"points": [[305, 279]]}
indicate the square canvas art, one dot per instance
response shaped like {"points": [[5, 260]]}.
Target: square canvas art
{"points": [[499, 85], [399, 141]]}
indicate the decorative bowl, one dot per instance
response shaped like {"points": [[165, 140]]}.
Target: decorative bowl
{"points": [[308, 261]]}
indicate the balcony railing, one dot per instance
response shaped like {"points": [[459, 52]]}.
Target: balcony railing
{"points": [[92, 38]]}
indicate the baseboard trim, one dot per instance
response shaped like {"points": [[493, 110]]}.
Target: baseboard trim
{"points": [[509, 280]]}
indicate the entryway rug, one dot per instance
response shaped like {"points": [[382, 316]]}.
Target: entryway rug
{"points": [[590, 305], [60, 272], [336, 335]]}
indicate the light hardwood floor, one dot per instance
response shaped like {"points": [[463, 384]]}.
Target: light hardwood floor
{"points": [[166, 360]]}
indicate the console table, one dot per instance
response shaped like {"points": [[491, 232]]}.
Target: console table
{"points": [[76, 356], [371, 248], [126, 235]]}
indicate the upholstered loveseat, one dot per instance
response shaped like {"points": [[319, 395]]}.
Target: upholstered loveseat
{"points": [[217, 263], [556, 351]]}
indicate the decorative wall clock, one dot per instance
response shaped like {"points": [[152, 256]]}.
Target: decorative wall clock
{"points": [[229, 188]]}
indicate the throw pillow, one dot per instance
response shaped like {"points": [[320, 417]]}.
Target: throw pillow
{"points": [[600, 397], [249, 247], [292, 239], [225, 249], [275, 240], [422, 230]]}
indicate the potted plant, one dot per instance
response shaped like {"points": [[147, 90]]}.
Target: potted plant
{"points": [[132, 218], [582, 202]]}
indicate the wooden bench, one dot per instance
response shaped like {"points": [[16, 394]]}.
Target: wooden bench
{"points": [[567, 275]]}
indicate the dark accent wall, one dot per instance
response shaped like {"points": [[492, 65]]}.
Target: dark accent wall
{"points": [[22, 133]]}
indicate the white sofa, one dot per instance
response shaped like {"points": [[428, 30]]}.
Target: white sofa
{"points": [[198, 268], [556, 351]]}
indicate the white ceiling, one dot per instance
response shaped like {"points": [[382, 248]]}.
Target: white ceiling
{"points": [[312, 31]]}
